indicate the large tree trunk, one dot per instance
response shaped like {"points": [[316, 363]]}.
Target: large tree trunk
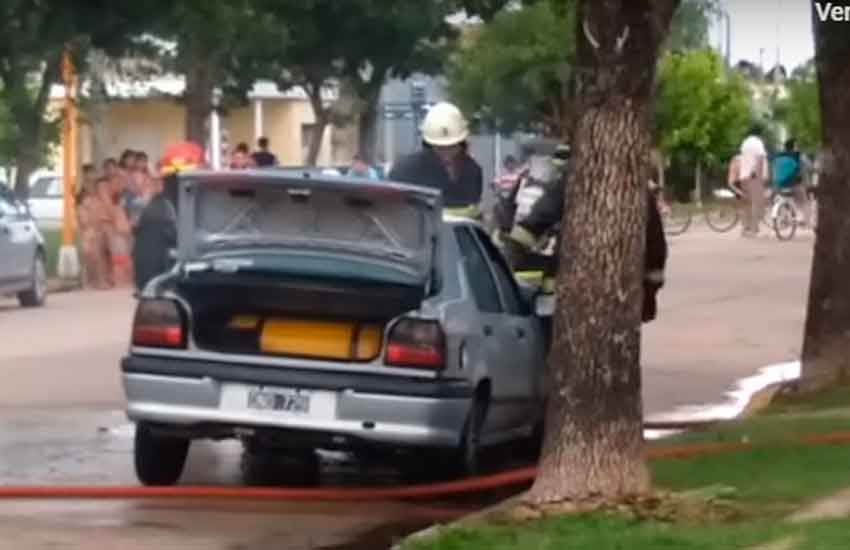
{"points": [[593, 447], [827, 330], [367, 129], [98, 106], [28, 113], [321, 115], [200, 85]]}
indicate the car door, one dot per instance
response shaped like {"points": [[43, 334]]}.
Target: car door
{"points": [[46, 201], [15, 238], [502, 413], [521, 338]]}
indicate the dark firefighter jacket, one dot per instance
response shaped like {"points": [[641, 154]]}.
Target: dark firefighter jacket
{"points": [[547, 212], [425, 168], [156, 236]]}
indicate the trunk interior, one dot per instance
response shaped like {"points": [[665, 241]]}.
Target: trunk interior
{"points": [[283, 315]]}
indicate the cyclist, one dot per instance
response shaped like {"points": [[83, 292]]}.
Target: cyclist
{"points": [[788, 172]]}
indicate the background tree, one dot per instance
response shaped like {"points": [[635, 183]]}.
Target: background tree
{"points": [[529, 51], [392, 39], [702, 113], [690, 26], [827, 329], [593, 447], [34, 37], [800, 111], [215, 45], [515, 71]]}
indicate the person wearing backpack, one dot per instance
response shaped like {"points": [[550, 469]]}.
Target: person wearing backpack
{"points": [[788, 177]]}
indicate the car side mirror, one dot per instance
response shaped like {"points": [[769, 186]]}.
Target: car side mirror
{"points": [[544, 304]]}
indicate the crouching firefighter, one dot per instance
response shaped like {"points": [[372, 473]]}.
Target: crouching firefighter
{"points": [[546, 214]]}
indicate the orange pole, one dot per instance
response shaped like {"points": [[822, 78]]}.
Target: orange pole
{"points": [[69, 149]]}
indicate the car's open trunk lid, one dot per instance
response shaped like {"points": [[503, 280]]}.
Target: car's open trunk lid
{"points": [[390, 224]]}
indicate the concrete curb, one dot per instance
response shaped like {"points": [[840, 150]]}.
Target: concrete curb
{"points": [[55, 286]]}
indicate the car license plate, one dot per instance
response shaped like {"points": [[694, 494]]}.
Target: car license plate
{"points": [[296, 402]]}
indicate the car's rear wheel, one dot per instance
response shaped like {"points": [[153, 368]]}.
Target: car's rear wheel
{"points": [[159, 459], [464, 460], [469, 453], [36, 295]]}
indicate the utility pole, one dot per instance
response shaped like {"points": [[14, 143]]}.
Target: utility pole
{"points": [[69, 262]]}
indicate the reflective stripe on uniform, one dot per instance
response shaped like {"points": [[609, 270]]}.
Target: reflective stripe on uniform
{"points": [[468, 212], [655, 276], [523, 236], [531, 277]]}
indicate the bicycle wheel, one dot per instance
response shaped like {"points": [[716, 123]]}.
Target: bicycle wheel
{"points": [[676, 220], [722, 217], [785, 222], [767, 218]]}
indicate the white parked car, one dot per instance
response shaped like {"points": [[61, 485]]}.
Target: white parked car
{"points": [[46, 200]]}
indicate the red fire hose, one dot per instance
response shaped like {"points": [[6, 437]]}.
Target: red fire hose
{"points": [[414, 492]]}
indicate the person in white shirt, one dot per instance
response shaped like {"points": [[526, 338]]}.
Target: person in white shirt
{"points": [[752, 174]]}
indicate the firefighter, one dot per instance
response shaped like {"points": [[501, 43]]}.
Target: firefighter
{"points": [[545, 215], [444, 162], [156, 234]]}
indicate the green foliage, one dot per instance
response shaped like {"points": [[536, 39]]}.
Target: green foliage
{"points": [[800, 111], [34, 37], [514, 72], [690, 25], [702, 112]]}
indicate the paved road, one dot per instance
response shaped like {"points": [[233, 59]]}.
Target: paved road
{"points": [[731, 306]]}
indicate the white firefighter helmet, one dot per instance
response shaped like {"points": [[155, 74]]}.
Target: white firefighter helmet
{"points": [[444, 125]]}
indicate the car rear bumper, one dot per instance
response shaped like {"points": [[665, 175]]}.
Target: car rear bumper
{"points": [[192, 395]]}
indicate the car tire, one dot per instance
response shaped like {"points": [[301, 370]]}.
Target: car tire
{"points": [[36, 295], [159, 459], [468, 455]]}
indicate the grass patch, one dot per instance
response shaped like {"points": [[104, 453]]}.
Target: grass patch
{"points": [[608, 533], [52, 242], [601, 533], [771, 480], [836, 398]]}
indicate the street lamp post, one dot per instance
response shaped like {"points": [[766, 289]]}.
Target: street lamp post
{"points": [[68, 265]]}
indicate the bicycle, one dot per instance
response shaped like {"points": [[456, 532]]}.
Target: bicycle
{"points": [[676, 219], [723, 215], [784, 213]]}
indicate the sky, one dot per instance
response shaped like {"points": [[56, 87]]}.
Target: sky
{"points": [[758, 24]]}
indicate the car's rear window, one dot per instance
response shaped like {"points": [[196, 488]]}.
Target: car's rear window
{"points": [[319, 218]]}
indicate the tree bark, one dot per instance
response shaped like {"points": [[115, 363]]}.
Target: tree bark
{"points": [[827, 330], [29, 119], [200, 85], [367, 136], [593, 447], [321, 115], [98, 106]]}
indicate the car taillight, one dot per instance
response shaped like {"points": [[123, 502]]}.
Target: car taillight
{"points": [[415, 343], [158, 324]]}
